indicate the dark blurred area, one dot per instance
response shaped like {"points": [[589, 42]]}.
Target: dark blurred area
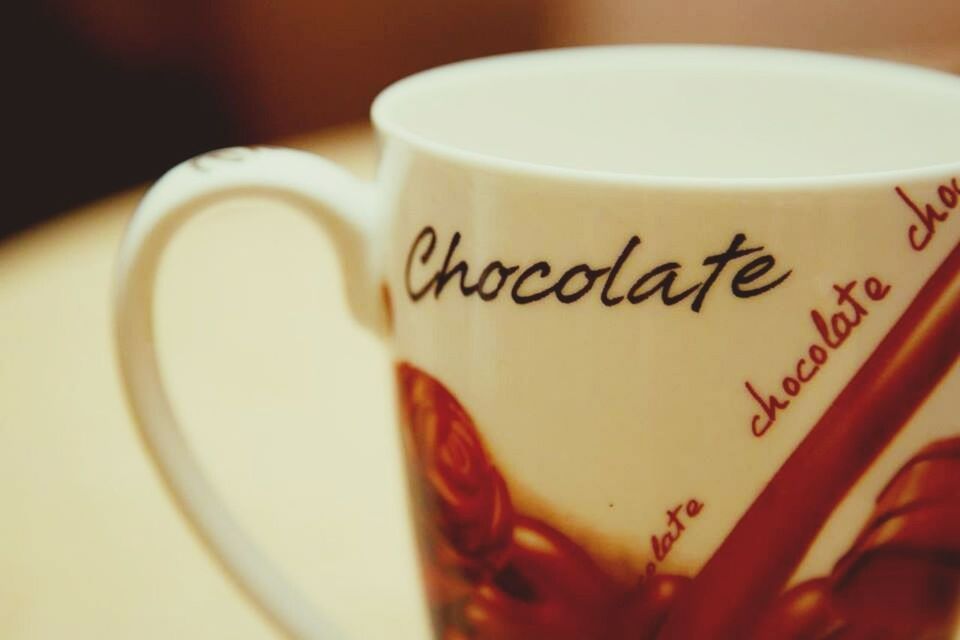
{"points": [[102, 95], [85, 119]]}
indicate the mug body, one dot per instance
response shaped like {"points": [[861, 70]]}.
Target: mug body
{"points": [[676, 332]]}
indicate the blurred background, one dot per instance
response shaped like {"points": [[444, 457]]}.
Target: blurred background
{"points": [[102, 95]]}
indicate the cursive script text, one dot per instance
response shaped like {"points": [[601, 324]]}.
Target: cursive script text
{"points": [[833, 334], [930, 214], [429, 271], [677, 520]]}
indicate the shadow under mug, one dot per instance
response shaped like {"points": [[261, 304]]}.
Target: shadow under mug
{"points": [[676, 332]]}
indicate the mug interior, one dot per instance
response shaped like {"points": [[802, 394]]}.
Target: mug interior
{"points": [[694, 112]]}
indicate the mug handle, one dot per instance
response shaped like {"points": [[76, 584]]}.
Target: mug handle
{"points": [[345, 207]]}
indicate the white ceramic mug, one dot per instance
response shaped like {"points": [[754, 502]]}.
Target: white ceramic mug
{"points": [[676, 332]]}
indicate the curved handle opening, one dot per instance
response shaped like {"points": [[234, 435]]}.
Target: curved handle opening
{"points": [[344, 207]]}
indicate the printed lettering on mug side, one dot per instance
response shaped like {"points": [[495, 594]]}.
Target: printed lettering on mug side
{"points": [[497, 565]]}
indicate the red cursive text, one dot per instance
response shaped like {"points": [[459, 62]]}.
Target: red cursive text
{"points": [[677, 519], [930, 216], [832, 334]]}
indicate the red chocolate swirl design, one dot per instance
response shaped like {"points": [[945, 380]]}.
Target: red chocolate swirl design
{"points": [[548, 588], [901, 578], [467, 496], [738, 583], [495, 574], [491, 573], [903, 572]]}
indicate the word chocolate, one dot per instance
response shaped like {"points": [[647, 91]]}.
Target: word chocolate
{"points": [[832, 336], [425, 273]]}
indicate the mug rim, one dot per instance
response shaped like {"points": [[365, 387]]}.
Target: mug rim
{"points": [[389, 127]]}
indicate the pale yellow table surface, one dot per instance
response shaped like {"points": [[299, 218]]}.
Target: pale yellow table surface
{"points": [[287, 401]]}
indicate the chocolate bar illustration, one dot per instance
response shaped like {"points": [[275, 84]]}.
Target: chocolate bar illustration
{"points": [[901, 577], [903, 572], [750, 568]]}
